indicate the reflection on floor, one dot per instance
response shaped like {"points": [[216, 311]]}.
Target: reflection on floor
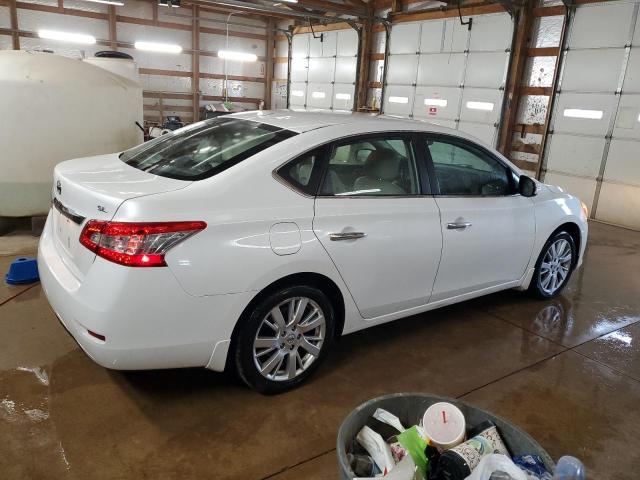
{"points": [[566, 370]]}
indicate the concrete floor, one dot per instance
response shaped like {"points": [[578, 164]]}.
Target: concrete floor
{"points": [[566, 370]]}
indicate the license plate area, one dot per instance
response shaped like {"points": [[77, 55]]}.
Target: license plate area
{"points": [[67, 232]]}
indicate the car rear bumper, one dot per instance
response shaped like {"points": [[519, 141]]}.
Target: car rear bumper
{"points": [[147, 319]]}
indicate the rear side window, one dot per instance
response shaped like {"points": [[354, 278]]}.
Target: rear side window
{"points": [[204, 149], [303, 173]]}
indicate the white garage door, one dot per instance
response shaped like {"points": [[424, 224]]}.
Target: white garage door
{"points": [[441, 71], [323, 71], [594, 149]]}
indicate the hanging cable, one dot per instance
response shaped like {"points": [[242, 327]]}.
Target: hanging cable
{"points": [[462, 22]]}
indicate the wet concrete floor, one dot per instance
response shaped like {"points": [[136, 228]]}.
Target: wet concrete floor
{"points": [[566, 370]]}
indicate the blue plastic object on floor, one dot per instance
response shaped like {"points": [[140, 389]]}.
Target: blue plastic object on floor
{"points": [[21, 271]]}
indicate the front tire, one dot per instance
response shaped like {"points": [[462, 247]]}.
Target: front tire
{"points": [[284, 339], [554, 266]]}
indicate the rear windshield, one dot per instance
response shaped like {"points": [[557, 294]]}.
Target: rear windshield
{"points": [[204, 149]]}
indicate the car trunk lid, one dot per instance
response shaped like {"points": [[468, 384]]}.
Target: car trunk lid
{"points": [[94, 188]]}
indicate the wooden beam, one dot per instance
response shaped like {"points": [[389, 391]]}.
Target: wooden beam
{"points": [[13, 14], [268, 74], [239, 78], [396, 6], [170, 95], [195, 60], [232, 33], [544, 91], [543, 52], [446, 13], [217, 98], [184, 74], [522, 128], [339, 8], [174, 108], [548, 11], [532, 148], [362, 90], [113, 31], [246, 11], [375, 84], [513, 88], [321, 28], [376, 56], [524, 165], [164, 73]]}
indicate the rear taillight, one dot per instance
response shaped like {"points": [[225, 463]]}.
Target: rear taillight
{"points": [[136, 244]]}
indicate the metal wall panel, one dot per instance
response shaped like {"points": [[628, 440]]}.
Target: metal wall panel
{"points": [[32, 20], [439, 70], [595, 127]]}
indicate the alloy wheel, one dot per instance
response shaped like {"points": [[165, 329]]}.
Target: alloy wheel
{"points": [[555, 266], [289, 339]]}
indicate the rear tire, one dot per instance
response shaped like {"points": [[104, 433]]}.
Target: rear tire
{"points": [[554, 266], [275, 352]]}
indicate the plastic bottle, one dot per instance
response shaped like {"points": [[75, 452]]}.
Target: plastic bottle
{"points": [[569, 468]]}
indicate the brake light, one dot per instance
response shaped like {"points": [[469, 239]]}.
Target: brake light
{"points": [[136, 244]]}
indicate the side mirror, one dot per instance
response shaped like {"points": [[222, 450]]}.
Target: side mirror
{"points": [[527, 186]]}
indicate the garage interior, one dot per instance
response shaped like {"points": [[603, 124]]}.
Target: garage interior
{"points": [[554, 86]]}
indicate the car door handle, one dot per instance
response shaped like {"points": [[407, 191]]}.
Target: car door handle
{"points": [[458, 225], [334, 237]]}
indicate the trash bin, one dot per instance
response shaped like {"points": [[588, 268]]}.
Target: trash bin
{"points": [[409, 408]]}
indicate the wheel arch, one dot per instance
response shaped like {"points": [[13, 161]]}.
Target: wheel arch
{"points": [[573, 230], [322, 282]]}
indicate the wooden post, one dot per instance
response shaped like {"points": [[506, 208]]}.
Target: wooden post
{"points": [[195, 60], [113, 35], [268, 74], [362, 88], [516, 71], [15, 35]]}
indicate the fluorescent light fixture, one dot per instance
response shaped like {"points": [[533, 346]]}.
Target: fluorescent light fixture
{"points": [[480, 106], [158, 47], [67, 37], [241, 56], [580, 113], [318, 95], [297, 93], [343, 96], [435, 102], [399, 99], [108, 2]]}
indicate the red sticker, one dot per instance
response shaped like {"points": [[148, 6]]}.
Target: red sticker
{"points": [[433, 110]]}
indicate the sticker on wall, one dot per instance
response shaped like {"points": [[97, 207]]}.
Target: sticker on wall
{"points": [[433, 110]]}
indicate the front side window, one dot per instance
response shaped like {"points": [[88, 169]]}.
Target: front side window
{"points": [[463, 170], [374, 167], [204, 149]]}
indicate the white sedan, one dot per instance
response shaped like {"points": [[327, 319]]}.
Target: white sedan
{"points": [[252, 241]]}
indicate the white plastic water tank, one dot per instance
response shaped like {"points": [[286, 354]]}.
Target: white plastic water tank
{"points": [[53, 109]]}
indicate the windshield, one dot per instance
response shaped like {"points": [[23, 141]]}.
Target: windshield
{"points": [[204, 149]]}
